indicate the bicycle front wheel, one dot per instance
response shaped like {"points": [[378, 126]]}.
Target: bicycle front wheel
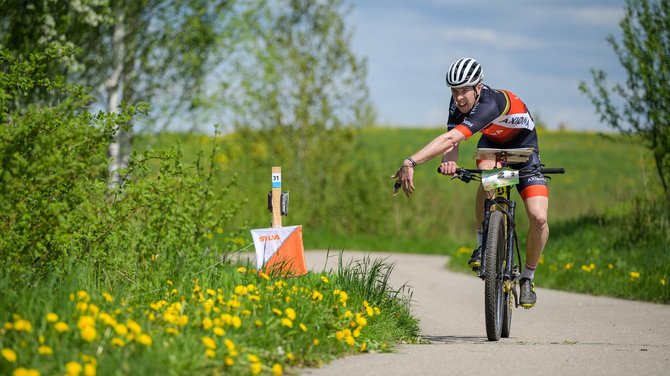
{"points": [[494, 297]]}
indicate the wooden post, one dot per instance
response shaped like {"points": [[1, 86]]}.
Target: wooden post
{"points": [[276, 196]]}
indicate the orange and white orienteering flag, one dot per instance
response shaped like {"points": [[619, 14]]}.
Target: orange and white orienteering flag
{"points": [[280, 250]]}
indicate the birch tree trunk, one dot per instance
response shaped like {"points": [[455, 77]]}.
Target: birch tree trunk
{"points": [[119, 146]]}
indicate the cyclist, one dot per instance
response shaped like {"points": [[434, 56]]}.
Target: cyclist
{"points": [[505, 123]]}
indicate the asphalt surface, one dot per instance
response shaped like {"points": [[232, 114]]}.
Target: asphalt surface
{"points": [[564, 334]]}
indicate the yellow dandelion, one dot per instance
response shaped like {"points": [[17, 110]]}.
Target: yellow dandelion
{"points": [[45, 350], [343, 298], [209, 343], [290, 357], [134, 326], [364, 346], [241, 269], [277, 369], [324, 279], [317, 296], [277, 311], [93, 309], [21, 325], [349, 340], [21, 371], [61, 327], [315, 341], [85, 322], [290, 313], [360, 320], [73, 368], [229, 361], [218, 331], [9, 355], [610, 266], [52, 317], [258, 323], [339, 335], [171, 330], [89, 369], [83, 296], [82, 307], [634, 275], [286, 322], [207, 323], [210, 236], [236, 322], [241, 290], [88, 334], [303, 327], [118, 342], [569, 265], [108, 297], [230, 345], [255, 368], [144, 339], [211, 354], [253, 358], [121, 329], [662, 281]]}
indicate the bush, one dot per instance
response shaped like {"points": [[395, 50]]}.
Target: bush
{"points": [[56, 209]]}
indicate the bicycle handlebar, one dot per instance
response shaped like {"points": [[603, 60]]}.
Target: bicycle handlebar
{"points": [[466, 174], [544, 170]]}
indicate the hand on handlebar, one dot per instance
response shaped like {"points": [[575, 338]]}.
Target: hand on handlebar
{"points": [[448, 168]]}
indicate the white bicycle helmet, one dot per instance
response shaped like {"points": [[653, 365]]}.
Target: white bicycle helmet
{"points": [[464, 72]]}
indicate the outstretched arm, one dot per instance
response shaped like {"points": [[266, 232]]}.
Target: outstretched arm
{"points": [[441, 144]]}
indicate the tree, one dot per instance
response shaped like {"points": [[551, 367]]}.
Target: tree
{"points": [[643, 52], [299, 94], [159, 51]]}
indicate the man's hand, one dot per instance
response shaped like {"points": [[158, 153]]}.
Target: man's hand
{"points": [[448, 168], [405, 179]]}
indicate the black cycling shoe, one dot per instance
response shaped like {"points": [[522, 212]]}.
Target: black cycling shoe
{"points": [[527, 296], [476, 259]]}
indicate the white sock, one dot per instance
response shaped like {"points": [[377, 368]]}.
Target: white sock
{"points": [[528, 272]]}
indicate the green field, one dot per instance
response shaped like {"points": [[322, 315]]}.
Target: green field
{"points": [[606, 213]]}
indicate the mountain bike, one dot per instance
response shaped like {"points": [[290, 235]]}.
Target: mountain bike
{"points": [[499, 269]]}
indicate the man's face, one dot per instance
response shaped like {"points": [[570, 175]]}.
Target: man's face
{"points": [[465, 97]]}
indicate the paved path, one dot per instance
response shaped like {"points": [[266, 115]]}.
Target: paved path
{"points": [[565, 334]]}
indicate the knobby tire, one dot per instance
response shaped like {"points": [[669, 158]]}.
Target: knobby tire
{"points": [[495, 302]]}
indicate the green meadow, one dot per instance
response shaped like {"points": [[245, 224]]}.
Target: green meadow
{"points": [[608, 219]]}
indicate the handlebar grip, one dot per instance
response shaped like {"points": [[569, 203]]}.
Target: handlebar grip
{"points": [[557, 170]]}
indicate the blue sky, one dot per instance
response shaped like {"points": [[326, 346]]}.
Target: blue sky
{"points": [[540, 50]]}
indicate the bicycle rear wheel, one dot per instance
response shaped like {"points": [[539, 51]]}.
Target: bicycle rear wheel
{"points": [[495, 301]]}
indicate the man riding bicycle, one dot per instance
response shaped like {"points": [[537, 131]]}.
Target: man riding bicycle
{"points": [[505, 123]]}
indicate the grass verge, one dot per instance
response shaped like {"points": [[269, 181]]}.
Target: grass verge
{"points": [[230, 319]]}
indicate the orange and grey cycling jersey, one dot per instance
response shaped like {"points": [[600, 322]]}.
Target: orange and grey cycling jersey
{"points": [[500, 116], [505, 122]]}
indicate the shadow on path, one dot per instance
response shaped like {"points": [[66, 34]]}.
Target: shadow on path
{"points": [[453, 339]]}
